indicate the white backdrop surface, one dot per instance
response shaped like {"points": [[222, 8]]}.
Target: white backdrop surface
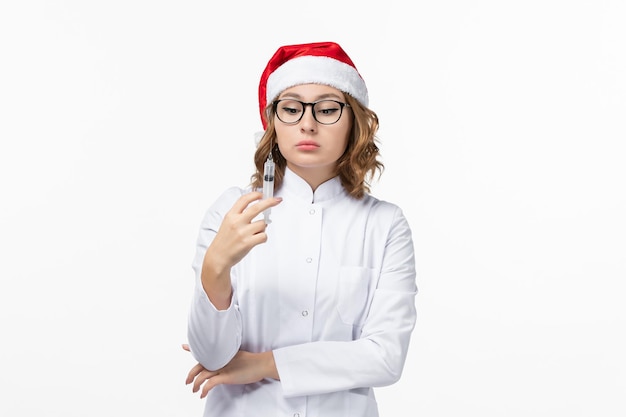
{"points": [[502, 131]]}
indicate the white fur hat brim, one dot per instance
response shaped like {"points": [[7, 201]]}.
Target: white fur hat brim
{"points": [[317, 70]]}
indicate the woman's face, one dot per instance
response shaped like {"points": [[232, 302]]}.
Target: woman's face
{"points": [[310, 147]]}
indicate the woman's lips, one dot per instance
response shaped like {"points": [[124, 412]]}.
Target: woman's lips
{"points": [[307, 145]]}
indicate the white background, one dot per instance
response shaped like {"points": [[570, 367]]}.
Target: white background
{"points": [[503, 134]]}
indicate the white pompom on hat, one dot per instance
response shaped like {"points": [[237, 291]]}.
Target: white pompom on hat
{"points": [[311, 63]]}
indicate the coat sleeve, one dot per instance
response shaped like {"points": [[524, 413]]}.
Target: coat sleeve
{"points": [[214, 336], [376, 358]]}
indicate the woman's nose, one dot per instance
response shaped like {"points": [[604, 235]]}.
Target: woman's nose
{"points": [[308, 122]]}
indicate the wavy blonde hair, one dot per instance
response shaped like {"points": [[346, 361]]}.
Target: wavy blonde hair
{"points": [[358, 165]]}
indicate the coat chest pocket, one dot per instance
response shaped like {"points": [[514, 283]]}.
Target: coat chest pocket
{"points": [[355, 289]]}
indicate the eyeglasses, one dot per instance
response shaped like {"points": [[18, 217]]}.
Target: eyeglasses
{"points": [[326, 112]]}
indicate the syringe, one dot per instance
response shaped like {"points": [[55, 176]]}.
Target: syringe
{"points": [[268, 184]]}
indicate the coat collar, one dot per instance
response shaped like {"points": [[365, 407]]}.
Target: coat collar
{"points": [[294, 185]]}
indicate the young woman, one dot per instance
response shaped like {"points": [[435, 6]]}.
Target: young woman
{"points": [[303, 314]]}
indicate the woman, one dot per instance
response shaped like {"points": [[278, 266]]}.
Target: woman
{"points": [[302, 315]]}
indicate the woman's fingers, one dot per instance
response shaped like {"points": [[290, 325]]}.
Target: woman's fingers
{"points": [[199, 376], [209, 385], [244, 205], [245, 200], [193, 373], [253, 210], [239, 232], [204, 376]]}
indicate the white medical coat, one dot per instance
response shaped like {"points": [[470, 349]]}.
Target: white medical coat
{"points": [[331, 293]]}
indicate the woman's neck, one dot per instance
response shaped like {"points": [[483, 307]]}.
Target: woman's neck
{"points": [[314, 176]]}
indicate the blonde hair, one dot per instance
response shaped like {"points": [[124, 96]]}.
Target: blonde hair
{"points": [[356, 167]]}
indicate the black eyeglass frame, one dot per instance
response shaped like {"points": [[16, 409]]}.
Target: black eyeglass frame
{"points": [[304, 106]]}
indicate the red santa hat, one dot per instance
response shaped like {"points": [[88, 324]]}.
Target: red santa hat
{"points": [[311, 63]]}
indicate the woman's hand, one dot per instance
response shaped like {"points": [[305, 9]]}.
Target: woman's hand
{"points": [[244, 368], [237, 235]]}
